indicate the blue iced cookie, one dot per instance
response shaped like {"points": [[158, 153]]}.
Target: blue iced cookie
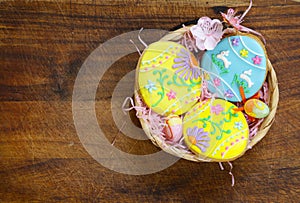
{"points": [[239, 60]]}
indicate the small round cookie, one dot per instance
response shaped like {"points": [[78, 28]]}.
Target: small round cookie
{"points": [[168, 78], [173, 128], [214, 130], [236, 61], [256, 108]]}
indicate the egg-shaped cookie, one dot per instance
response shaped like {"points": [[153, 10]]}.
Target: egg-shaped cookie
{"points": [[173, 128], [256, 108], [168, 78], [236, 61], [212, 129]]}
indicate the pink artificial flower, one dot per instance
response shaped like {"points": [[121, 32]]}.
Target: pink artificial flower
{"points": [[171, 95], [207, 33], [231, 19], [235, 21], [217, 109]]}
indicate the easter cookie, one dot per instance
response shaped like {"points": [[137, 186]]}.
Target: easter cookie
{"points": [[256, 108], [168, 78], [214, 130], [236, 61], [173, 128]]}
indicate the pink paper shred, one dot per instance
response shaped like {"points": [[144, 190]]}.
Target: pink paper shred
{"points": [[188, 41], [154, 121]]}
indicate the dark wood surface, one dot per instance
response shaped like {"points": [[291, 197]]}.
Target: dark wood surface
{"points": [[44, 44]]}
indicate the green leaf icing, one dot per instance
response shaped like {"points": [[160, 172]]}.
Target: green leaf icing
{"points": [[182, 82], [219, 64], [236, 80], [217, 127], [160, 80]]}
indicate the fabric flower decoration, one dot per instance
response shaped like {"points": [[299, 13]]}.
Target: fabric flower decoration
{"points": [[150, 86], [235, 21], [207, 33], [197, 136]]}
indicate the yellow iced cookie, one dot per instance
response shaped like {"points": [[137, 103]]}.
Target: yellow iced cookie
{"points": [[168, 78], [213, 129]]}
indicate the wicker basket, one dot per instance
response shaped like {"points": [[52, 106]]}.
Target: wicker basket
{"points": [[263, 129]]}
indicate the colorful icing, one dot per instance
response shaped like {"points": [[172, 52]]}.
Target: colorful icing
{"points": [[219, 64], [168, 78], [217, 109], [198, 137], [246, 76], [217, 82], [256, 108], [256, 60], [244, 53], [238, 125], [222, 56], [235, 41], [150, 86], [236, 61], [187, 65], [228, 94], [171, 95], [213, 129]]}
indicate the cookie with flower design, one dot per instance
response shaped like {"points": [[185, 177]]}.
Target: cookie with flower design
{"points": [[238, 60], [212, 129], [168, 78]]}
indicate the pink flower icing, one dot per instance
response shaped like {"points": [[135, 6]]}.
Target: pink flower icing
{"points": [[171, 95], [217, 82], [217, 109], [256, 60]]}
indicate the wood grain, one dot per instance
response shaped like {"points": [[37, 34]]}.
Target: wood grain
{"points": [[43, 45]]}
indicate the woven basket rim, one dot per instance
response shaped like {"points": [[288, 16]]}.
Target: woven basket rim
{"points": [[263, 129]]}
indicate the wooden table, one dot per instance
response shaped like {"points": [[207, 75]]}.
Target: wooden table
{"points": [[43, 46]]}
